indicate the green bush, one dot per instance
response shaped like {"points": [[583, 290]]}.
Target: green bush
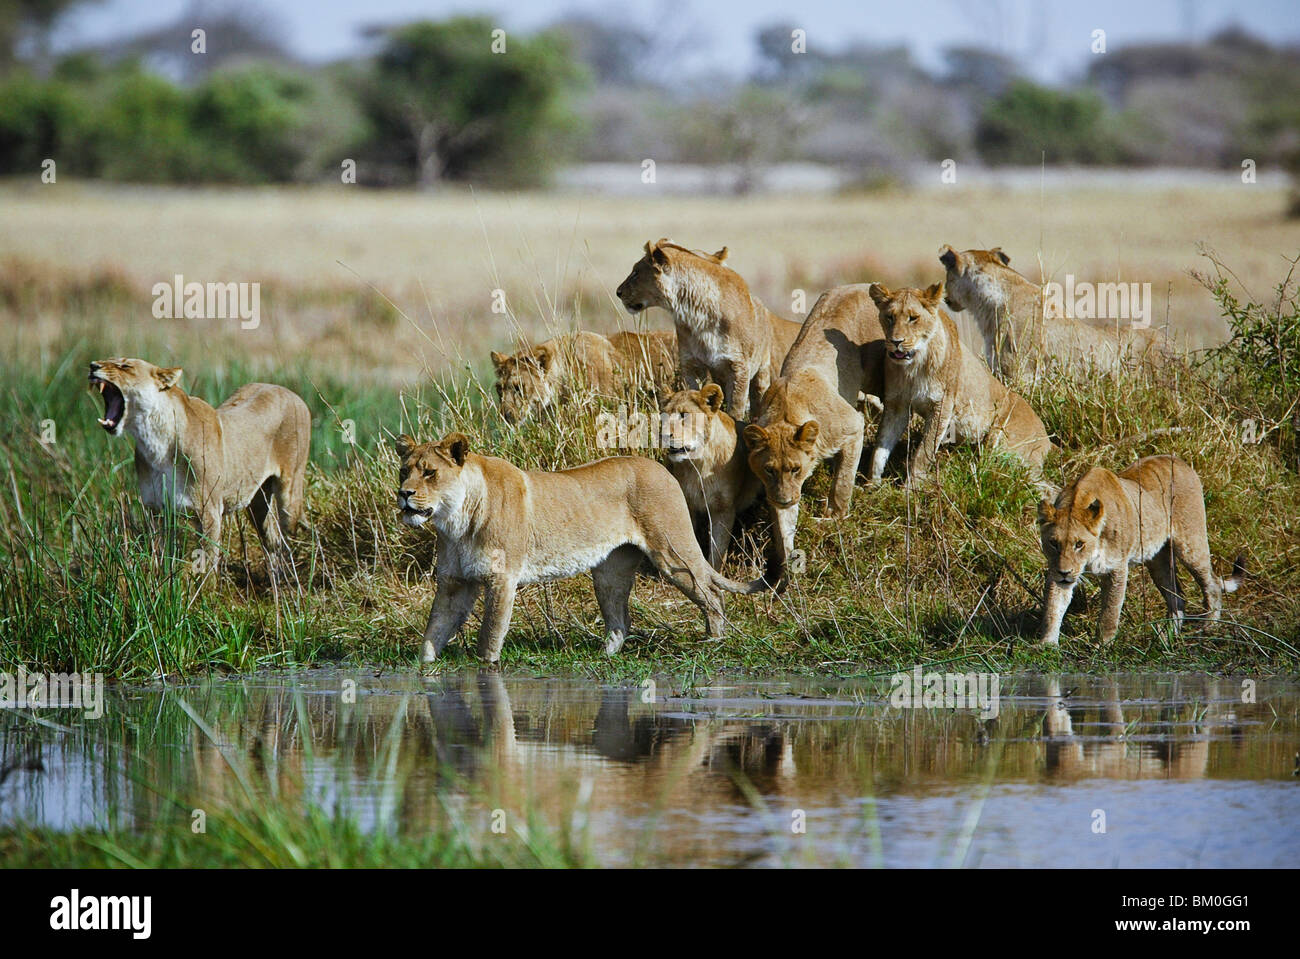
{"points": [[1028, 119]]}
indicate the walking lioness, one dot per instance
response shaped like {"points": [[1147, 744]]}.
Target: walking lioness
{"points": [[1152, 513], [500, 527], [929, 371], [250, 450]]}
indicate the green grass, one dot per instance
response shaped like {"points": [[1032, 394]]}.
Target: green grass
{"points": [[947, 574]]}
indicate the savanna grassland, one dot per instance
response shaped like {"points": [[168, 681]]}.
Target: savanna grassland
{"points": [[377, 309]]}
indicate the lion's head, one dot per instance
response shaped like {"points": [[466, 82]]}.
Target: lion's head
{"points": [[910, 320], [430, 483], [689, 420], [974, 276], [645, 285], [1071, 527], [129, 386], [527, 382], [783, 457]]}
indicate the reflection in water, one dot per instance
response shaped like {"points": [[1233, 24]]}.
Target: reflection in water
{"points": [[778, 772]]}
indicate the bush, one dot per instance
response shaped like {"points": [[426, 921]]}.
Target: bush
{"points": [[1028, 119], [1260, 363]]}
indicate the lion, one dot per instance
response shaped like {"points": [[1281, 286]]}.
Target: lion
{"points": [[811, 414], [1018, 336], [1152, 513], [723, 331], [500, 527], [534, 380], [708, 457], [928, 370], [248, 452]]}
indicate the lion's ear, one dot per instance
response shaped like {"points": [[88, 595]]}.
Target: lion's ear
{"points": [[167, 376], [499, 360], [404, 444], [1046, 513], [756, 437], [456, 445], [806, 435], [721, 255], [1096, 510], [880, 294], [711, 395], [932, 296], [656, 251], [545, 358], [949, 257], [997, 251]]}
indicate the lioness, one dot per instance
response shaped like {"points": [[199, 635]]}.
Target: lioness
{"points": [[723, 331], [248, 451], [811, 413], [1018, 338], [928, 370], [1152, 513], [499, 527], [708, 458], [534, 380]]}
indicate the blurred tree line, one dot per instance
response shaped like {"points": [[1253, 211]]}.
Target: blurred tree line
{"points": [[435, 101]]}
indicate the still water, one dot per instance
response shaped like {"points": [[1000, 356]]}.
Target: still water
{"points": [[1128, 770]]}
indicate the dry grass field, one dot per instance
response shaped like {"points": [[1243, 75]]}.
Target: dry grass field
{"points": [[320, 253]]}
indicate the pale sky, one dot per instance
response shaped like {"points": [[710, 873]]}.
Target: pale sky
{"points": [[1050, 38]]}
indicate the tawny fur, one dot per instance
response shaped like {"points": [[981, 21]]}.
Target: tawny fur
{"points": [[708, 457], [811, 414], [723, 331], [928, 370], [1152, 513], [250, 452], [500, 527], [1018, 340]]}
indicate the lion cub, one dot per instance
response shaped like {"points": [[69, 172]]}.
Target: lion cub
{"points": [[500, 527], [811, 414], [928, 370], [723, 331], [708, 458], [250, 450], [533, 381], [1152, 513]]}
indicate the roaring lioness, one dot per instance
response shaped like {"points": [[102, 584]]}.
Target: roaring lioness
{"points": [[928, 370], [499, 527], [708, 457], [250, 450], [533, 381], [811, 413], [1152, 513], [1018, 337], [723, 331]]}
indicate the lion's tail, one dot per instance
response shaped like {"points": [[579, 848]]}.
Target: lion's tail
{"points": [[1233, 582], [745, 589]]}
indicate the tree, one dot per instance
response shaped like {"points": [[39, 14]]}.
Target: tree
{"points": [[442, 103]]}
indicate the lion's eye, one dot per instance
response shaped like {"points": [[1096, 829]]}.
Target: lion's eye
{"points": [[793, 470], [912, 319], [1078, 546], [429, 474]]}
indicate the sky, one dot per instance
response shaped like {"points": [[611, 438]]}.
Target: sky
{"points": [[1050, 38]]}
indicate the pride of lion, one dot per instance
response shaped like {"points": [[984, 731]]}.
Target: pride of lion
{"points": [[766, 400]]}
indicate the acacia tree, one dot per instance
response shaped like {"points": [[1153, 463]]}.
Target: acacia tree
{"points": [[444, 103]]}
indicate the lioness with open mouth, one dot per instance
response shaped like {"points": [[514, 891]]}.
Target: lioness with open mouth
{"points": [[246, 453], [500, 527]]}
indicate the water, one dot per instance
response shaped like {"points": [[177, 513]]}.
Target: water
{"points": [[1177, 768]]}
